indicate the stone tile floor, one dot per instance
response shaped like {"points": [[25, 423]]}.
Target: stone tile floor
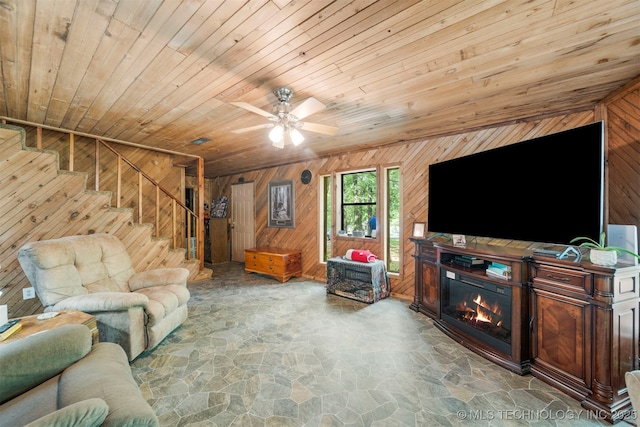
{"points": [[256, 352]]}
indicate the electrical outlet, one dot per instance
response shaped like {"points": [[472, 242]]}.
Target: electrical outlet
{"points": [[28, 293]]}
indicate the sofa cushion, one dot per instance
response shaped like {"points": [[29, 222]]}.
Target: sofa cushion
{"points": [[181, 292], [61, 267], [32, 360], [161, 302], [52, 268], [105, 266], [632, 379], [20, 410], [105, 373], [86, 413]]}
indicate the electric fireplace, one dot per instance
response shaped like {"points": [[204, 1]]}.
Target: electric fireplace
{"points": [[479, 309]]}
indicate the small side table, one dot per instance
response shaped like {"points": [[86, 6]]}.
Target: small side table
{"points": [[31, 325], [361, 281]]}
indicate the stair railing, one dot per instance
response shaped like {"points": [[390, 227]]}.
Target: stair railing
{"points": [[190, 216], [194, 221]]}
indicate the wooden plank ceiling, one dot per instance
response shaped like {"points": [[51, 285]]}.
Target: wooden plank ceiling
{"points": [[163, 72]]}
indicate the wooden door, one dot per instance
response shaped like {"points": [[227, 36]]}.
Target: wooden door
{"points": [[430, 288], [561, 338], [242, 220]]}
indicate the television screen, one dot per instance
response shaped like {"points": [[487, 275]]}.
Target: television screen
{"points": [[548, 189]]}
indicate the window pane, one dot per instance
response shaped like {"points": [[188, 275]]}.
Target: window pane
{"points": [[393, 220], [359, 194], [326, 218], [359, 187], [356, 219]]}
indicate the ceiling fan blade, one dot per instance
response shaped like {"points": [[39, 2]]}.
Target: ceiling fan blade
{"points": [[307, 108], [251, 108], [250, 128], [316, 127]]}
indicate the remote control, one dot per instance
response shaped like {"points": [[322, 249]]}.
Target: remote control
{"points": [[8, 325]]}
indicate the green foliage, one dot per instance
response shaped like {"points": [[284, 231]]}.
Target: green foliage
{"points": [[393, 202], [359, 197], [601, 245]]}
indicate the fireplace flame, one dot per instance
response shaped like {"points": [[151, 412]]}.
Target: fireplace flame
{"points": [[482, 311]]}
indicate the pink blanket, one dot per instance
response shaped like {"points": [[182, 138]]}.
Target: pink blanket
{"points": [[361, 256]]}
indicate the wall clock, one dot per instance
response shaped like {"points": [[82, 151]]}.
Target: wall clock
{"points": [[305, 177]]}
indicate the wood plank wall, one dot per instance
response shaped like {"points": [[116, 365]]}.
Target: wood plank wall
{"points": [[414, 158], [623, 130], [28, 218], [157, 165], [39, 202]]}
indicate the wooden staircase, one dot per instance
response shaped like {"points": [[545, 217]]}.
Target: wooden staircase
{"points": [[39, 202]]}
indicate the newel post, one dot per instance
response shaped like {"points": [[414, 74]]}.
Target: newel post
{"points": [[200, 227]]}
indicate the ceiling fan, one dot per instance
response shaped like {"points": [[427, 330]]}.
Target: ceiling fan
{"points": [[285, 122]]}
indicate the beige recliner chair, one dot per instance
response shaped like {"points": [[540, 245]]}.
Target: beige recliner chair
{"points": [[632, 379], [94, 274]]}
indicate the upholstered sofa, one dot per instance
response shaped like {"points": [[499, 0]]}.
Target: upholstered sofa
{"points": [[94, 274], [57, 378], [632, 379]]}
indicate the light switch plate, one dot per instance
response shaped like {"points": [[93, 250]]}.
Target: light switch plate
{"points": [[28, 293]]}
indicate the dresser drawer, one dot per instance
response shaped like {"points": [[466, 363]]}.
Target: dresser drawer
{"points": [[428, 252], [562, 278]]}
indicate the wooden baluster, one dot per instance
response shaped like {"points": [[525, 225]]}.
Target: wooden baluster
{"points": [[139, 197], [72, 150], [39, 138], [119, 184], [97, 165], [173, 223], [189, 236], [200, 215], [157, 232], [199, 243]]}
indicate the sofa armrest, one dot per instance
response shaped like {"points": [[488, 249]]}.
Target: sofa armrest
{"points": [[105, 374], [101, 301], [32, 360], [86, 413], [632, 379], [158, 277]]}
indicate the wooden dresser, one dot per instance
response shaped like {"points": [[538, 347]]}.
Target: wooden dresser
{"points": [[279, 263], [574, 324]]}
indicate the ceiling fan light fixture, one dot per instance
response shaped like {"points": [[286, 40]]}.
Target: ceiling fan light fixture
{"points": [[277, 134], [296, 136], [285, 122]]}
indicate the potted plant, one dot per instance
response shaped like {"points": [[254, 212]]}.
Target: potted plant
{"points": [[600, 253]]}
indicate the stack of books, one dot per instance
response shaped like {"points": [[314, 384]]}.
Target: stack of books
{"points": [[499, 271], [10, 328], [469, 261]]}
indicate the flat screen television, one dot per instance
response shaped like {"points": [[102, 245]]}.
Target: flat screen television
{"points": [[548, 189]]}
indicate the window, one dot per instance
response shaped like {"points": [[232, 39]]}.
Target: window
{"points": [[359, 213], [392, 235], [358, 195], [325, 222]]}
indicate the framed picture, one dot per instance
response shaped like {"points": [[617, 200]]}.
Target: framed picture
{"points": [[419, 229], [459, 240], [282, 206]]}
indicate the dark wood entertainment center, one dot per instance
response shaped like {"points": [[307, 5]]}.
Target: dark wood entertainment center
{"points": [[573, 324]]}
